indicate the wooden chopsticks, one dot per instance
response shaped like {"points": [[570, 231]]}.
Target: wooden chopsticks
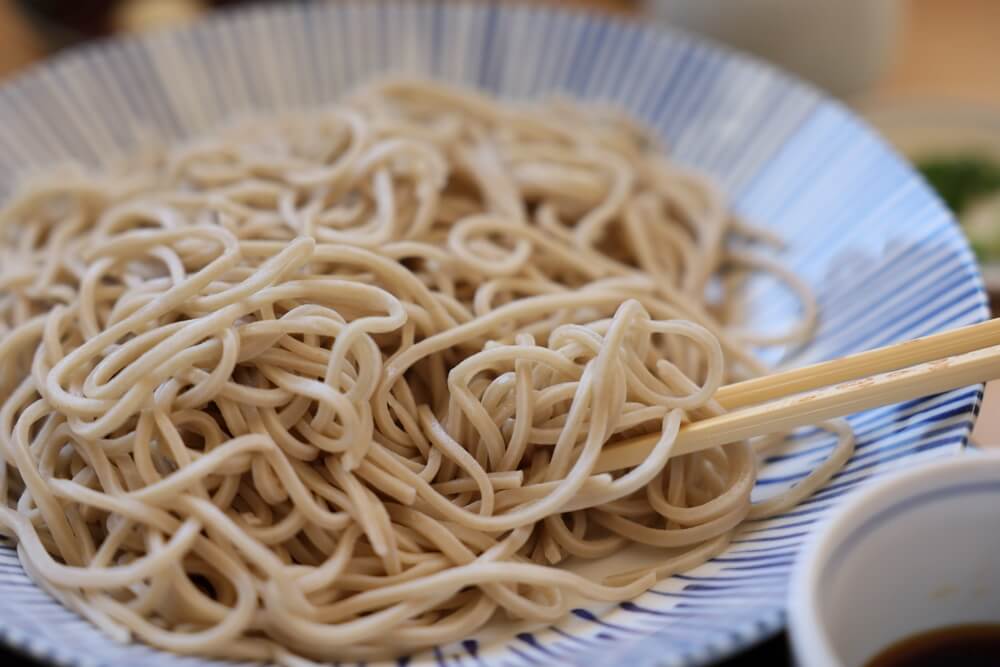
{"points": [[811, 394]]}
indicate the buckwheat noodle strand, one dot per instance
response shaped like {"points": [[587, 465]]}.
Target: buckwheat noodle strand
{"points": [[332, 383]]}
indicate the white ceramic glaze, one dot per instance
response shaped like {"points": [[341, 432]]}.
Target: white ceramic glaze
{"points": [[915, 552]]}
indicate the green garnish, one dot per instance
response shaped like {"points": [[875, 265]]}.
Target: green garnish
{"points": [[986, 249], [962, 179]]}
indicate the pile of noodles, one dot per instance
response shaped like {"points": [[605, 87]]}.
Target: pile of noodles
{"points": [[333, 383]]}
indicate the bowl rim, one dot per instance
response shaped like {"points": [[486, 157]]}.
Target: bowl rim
{"points": [[806, 630]]}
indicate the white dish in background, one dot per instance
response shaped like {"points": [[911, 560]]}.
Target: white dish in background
{"points": [[910, 554], [885, 258], [919, 127], [841, 46]]}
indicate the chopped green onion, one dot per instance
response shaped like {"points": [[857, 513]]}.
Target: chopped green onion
{"points": [[960, 180]]}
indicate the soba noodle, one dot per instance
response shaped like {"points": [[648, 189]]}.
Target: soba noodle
{"points": [[332, 383]]}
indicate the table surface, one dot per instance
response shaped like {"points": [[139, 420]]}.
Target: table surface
{"points": [[949, 50]]}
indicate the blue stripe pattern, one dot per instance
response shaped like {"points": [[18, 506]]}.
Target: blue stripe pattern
{"points": [[884, 257], [988, 491]]}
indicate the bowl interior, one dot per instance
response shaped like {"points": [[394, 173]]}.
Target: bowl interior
{"points": [[873, 577], [884, 257]]}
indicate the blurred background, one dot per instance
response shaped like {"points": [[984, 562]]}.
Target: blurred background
{"points": [[889, 48], [926, 48]]}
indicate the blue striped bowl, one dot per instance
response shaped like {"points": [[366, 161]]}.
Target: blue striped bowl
{"points": [[885, 258]]}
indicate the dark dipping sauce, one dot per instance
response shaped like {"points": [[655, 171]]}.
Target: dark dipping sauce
{"points": [[959, 645]]}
